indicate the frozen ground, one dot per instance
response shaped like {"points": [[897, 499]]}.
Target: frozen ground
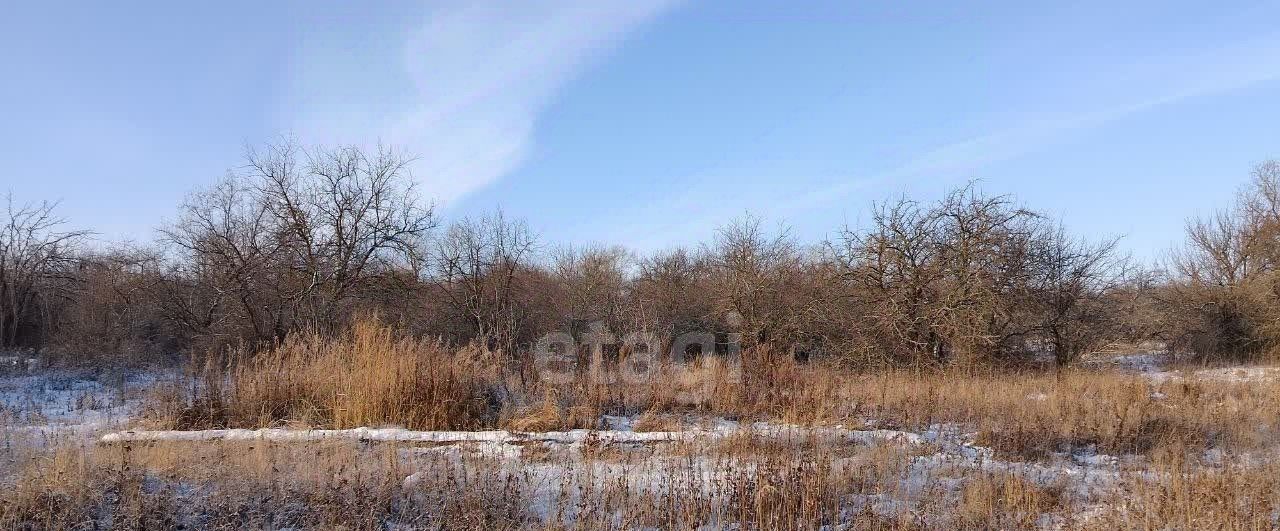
{"points": [[1224, 374], [35, 400], [1153, 362], [97, 407], [653, 462]]}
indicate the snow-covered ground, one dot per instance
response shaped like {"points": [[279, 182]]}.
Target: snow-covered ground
{"points": [[1222, 374], [98, 407], [722, 428], [65, 401], [938, 456], [1153, 362]]}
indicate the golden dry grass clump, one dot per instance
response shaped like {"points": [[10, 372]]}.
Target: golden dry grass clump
{"points": [[367, 376]]}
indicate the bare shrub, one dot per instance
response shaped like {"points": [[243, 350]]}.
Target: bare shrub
{"points": [[671, 293], [481, 269], [112, 316], [972, 279], [1072, 283], [1224, 298], [592, 283]]}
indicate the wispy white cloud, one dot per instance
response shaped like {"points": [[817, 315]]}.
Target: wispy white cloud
{"points": [[484, 71], [463, 86]]}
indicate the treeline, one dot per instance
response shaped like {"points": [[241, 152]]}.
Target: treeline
{"points": [[306, 239]]}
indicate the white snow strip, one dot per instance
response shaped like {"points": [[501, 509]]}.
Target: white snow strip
{"points": [[1224, 374], [495, 436], [391, 435]]}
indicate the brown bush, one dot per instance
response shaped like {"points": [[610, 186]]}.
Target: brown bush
{"points": [[1224, 297]]}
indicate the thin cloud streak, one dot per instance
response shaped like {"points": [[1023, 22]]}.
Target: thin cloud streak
{"points": [[1201, 75], [485, 72], [1159, 83]]}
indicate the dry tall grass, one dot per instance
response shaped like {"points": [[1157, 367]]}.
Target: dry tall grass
{"points": [[367, 376], [745, 482], [1033, 415], [1179, 452], [749, 485], [370, 376]]}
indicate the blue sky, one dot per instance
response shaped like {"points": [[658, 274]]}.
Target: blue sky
{"points": [[651, 122]]}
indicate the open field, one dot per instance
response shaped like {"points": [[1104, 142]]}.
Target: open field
{"points": [[639, 264], [1121, 442]]}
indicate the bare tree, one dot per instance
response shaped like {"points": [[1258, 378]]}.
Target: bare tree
{"points": [[478, 268], [890, 274], [228, 258], [592, 284], [37, 257], [346, 215], [984, 248], [751, 272], [671, 293], [969, 279], [1073, 281], [291, 240]]}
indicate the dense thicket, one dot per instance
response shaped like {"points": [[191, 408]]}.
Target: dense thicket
{"points": [[304, 239], [1223, 298]]}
